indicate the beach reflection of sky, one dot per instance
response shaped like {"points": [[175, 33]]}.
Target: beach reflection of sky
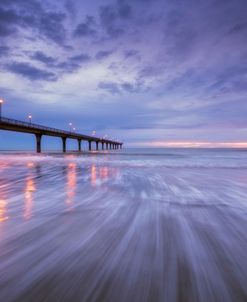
{"points": [[133, 221]]}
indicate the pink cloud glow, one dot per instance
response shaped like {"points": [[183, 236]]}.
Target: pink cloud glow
{"points": [[192, 144]]}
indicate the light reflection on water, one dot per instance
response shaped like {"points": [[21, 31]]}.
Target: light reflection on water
{"points": [[123, 227], [3, 210], [29, 189], [71, 184], [93, 175]]}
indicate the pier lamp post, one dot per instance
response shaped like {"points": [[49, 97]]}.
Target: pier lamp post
{"points": [[74, 129], [93, 133], [1, 102], [30, 119], [70, 127]]}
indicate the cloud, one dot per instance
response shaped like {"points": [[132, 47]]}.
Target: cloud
{"points": [[109, 16], [122, 87], [8, 20], [192, 144], [30, 5], [86, 28], [225, 114], [150, 71], [110, 87], [15, 15], [50, 25], [80, 58], [4, 50], [67, 66], [28, 71], [70, 8], [40, 56], [102, 54], [72, 64], [124, 10], [131, 53], [132, 88], [161, 64]]}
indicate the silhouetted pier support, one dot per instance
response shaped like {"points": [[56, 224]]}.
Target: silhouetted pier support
{"points": [[89, 145], [103, 146], [64, 144], [38, 142], [97, 146], [106, 146], [79, 145]]}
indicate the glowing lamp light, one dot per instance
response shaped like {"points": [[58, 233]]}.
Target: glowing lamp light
{"points": [[70, 126], [1, 102]]}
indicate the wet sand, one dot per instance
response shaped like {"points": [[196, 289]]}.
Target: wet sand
{"points": [[123, 228]]}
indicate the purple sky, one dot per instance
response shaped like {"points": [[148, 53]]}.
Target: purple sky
{"points": [[148, 72]]}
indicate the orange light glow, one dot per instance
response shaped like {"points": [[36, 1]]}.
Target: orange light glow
{"points": [[3, 210], [29, 189], [103, 172], [1, 101], [93, 175]]}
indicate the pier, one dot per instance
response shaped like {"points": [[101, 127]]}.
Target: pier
{"points": [[39, 131]]}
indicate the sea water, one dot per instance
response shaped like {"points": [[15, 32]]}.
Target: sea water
{"points": [[141, 225]]}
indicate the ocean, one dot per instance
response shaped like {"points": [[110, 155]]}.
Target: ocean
{"points": [[131, 225]]}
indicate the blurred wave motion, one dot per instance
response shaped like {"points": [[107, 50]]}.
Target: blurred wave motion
{"points": [[144, 225]]}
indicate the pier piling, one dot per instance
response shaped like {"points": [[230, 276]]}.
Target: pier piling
{"points": [[64, 144], [38, 142]]}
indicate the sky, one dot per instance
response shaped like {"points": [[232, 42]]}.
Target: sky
{"points": [[148, 72]]}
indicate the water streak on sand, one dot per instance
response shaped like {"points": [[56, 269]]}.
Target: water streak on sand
{"points": [[133, 225]]}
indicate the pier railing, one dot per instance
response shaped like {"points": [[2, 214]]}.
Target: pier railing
{"points": [[50, 129], [32, 125]]}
